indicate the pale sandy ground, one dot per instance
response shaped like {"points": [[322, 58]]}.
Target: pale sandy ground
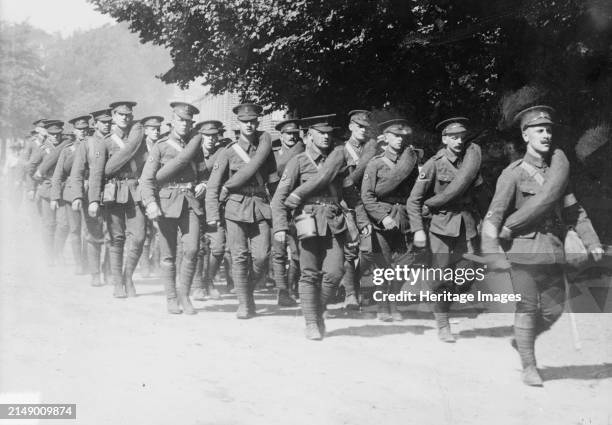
{"points": [[128, 362]]}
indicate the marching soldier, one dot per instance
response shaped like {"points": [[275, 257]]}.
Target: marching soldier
{"points": [[61, 196], [178, 207], [117, 179], [286, 279], [359, 150], [212, 238], [527, 217], [243, 177], [321, 217], [453, 226], [150, 252], [87, 154], [40, 170], [387, 182], [32, 144]]}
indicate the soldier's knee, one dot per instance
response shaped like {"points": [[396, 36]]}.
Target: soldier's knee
{"points": [[334, 276]]}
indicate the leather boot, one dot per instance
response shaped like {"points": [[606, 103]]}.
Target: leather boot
{"points": [[444, 329], [118, 287], [313, 332], [95, 280], [168, 276], [350, 302], [130, 265], [184, 301], [284, 299], [525, 335], [197, 287]]}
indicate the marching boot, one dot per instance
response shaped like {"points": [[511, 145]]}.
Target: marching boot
{"points": [[118, 287], [348, 281], [313, 332], [145, 261], [383, 314], [245, 310], [227, 267], [197, 286], [524, 337], [184, 301], [211, 266], [168, 275], [444, 329], [525, 342], [284, 299], [95, 280], [311, 299], [396, 315], [130, 265]]}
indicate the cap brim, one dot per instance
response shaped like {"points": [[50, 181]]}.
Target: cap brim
{"points": [[247, 117], [361, 122], [209, 132]]}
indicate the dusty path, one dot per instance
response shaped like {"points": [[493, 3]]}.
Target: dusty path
{"points": [[128, 362]]}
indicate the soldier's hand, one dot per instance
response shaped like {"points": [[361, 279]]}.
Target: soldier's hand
{"points": [[280, 236], [30, 195], [388, 223], [53, 205], [425, 211], [153, 211], [597, 253], [77, 204], [505, 233], [366, 230], [93, 209], [420, 239], [224, 194], [200, 190]]}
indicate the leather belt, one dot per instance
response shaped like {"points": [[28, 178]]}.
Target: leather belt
{"points": [[180, 186], [322, 200]]}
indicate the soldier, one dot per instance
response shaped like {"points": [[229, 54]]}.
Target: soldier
{"points": [[61, 196], [178, 208], [40, 170], [321, 249], [244, 175], [387, 182], [32, 144], [212, 238], [527, 216], [150, 253], [453, 226], [90, 151], [359, 150], [286, 279], [117, 178]]}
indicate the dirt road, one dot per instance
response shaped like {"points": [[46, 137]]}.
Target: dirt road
{"points": [[129, 362]]}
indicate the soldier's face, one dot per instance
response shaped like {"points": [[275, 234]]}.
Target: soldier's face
{"points": [[181, 126], [358, 131], [152, 133], [538, 138], [394, 141], [52, 138], [209, 140], [289, 139], [122, 119], [80, 133], [321, 140], [247, 128], [454, 142], [103, 126]]}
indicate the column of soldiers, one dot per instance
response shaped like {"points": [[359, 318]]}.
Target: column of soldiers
{"points": [[324, 211]]}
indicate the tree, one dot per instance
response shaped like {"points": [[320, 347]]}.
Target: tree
{"points": [[25, 92], [426, 58]]}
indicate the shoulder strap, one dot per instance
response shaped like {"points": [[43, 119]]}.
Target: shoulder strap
{"points": [[533, 172], [352, 152], [241, 153]]}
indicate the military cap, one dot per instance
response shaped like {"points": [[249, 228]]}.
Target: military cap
{"points": [[400, 127], [247, 111], [320, 123], [54, 126], [152, 121], [184, 110], [209, 127], [535, 115], [80, 122], [454, 125], [122, 106], [288, 126], [103, 115], [360, 116], [40, 122]]}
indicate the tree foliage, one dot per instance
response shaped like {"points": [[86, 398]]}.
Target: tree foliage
{"points": [[426, 58]]}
